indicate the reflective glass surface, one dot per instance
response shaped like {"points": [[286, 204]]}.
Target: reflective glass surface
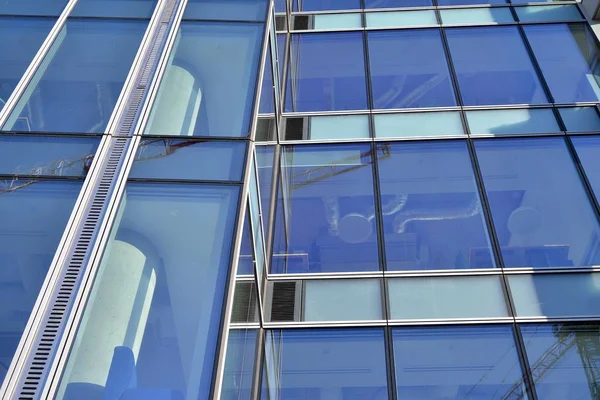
{"points": [[33, 215], [548, 13], [155, 308], [32, 7], [580, 119], [208, 87], [569, 65], [397, 3], [400, 18], [542, 215], [264, 163], [246, 258], [323, 5], [428, 194], [503, 122], [226, 10], [476, 15], [336, 21], [457, 363], [468, 2], [331, 127], [409, 69], [266, 105], [239, 365], [326, 73], [81, 78], [418, 124], [493, 67], [588, 149], [326, 221], [112, 8]]}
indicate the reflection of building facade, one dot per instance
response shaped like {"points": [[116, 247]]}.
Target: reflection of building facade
{"points": [[286, 200]]}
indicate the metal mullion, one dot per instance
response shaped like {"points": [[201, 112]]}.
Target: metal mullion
{"points": [[259, 356], [390, 363]]}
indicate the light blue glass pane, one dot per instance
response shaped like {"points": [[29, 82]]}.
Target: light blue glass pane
{"points": [[409, 69], [588, 149], [536, 1], [227, 10], [33, 215], [239, 365], [114, 8], [266, 105], [246, 258], [256, 222], [324, 5], [418, 124], [568, 65], [208, 87], [580, 119], [468, 2], [32, 7], [330, 364], [342, 300], [535, 295], [493, 66], [155, 308], [81, 78], [397, 3], [542, 215], [548, 13], [21, 39], [189, 159], [337, 21], [326, 222], [457, 363], [400, 18], [500, 122], [264, 161], [476, 16], [565, 359], [339, 127], [428, 194], [43, 155]]}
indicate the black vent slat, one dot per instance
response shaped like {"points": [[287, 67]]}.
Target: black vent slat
{"points": [[284, 301]]}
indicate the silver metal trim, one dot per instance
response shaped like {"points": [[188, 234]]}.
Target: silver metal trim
{"points": [[328, 324]]}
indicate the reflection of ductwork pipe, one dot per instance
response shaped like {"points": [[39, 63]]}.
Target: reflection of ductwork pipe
{"points": [[404, 217]]}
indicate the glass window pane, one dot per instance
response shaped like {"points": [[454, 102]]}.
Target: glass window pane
{"points": [[81, 78], [418, 124], [564, 359], [32, 7], [536, 295], [326, 127], [588, 148], [239, 365], [446, 297], [568, 65], [246, 258], [329, 364], [548, 13], [397, 3], [409, 69], [541, 212], [493, 67], [457, 363], [280, 5], [324, 5], [111, 8], [155, 307], [208, 87], [33, 215], [476, 15], [428, 194], [189, 159], [400, 18], [468, 2], [264, 162], [267, 99], [226, 10], [501, 122], [580, 119], [337, 21], [327, 220], [342, 300]]}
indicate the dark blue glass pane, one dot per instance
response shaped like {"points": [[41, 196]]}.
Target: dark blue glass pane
{"points": [[493, 67], [281, 47], [568, 65], [21, 39], [280, 6], [43, 155], [542, 215], [409, 69], [264, 162], [239, 365], [114, 8], [32, 7], [327, 223], [327, 72], [266, 105], [33, 215], [428, 194], [468, 2], [344, 364], [227, 10], [397, 3], [86, 70], [189, 159], [208, 89], [457, 363], [588, 150], [246, 259], [154, 312], [565, 360], [323, 5]]}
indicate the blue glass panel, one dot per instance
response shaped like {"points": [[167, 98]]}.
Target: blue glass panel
{"points": [[548, 13], [239, 365], [42, 155], [487, 15], [588, 149], [81, 79], [21, 39], [468, 2], [323, 5], [155, 308], [266, 105], [569, 64], [114, 8], [542, 215], [327, 72], [264, 163], [502, 122], [328, 364], [409, 69], [580, 119], [280, 6], [428, 194], [400, 18], [208, 89], [189, 159], [32, 7], [397, 3], [337, 21], [327, 221], [493, 66], [457, 363], [227, 10], [418, 124], [246, 259], [33, 215], [565, 358]]}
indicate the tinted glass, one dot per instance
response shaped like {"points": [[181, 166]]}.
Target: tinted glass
{"points": [[81, 80], [323, 5], [328, 213], [226, 10], [280, 5], [114, 8], [503, 122], [266, 105], [239, 365], [580, 119], [327, 72], [428, 194], [400, 18], [246, 259], [397, 3], [541, 213], [418, 124], [32, 7], [493, 67], [457, 363], [208, 87], [466, 2], [588, 149], [155, 308], [477, 15], [264, 163], [548, 13], [409, 69]]}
